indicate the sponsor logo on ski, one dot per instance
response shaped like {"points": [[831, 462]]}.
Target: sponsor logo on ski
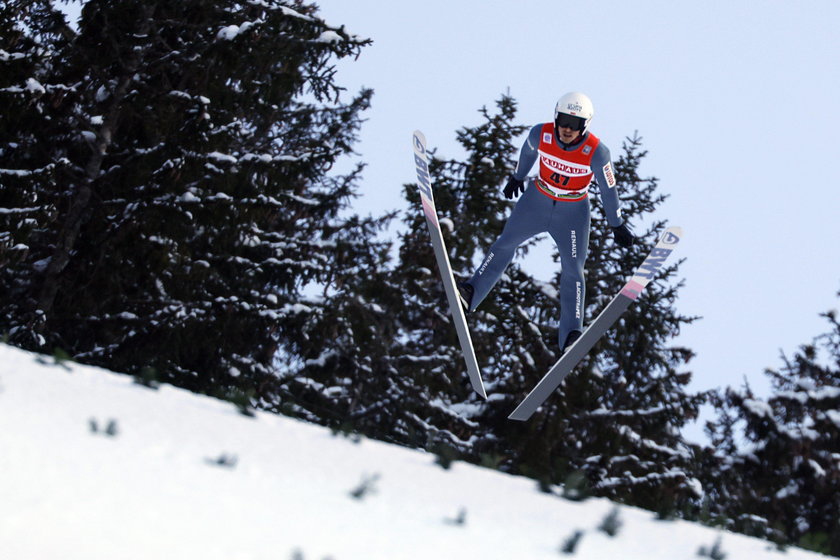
{"points": [[422, 168], [418, 145], [653, 263], [670, 238], [486, 263]]}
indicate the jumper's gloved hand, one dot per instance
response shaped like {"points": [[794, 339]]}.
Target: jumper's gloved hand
{"points": [[513, 187], [623, 236]]}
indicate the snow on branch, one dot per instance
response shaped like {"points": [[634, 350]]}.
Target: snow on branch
{"points": [[331, 35], [6, 56], [234, 159], [652, 445], [820, 394], [603, 412], [230, 32], [653, 479], [322, 360], [9, 211], [285, 10], [30, 172], [188, 97], [759, 408], [35, 88], [222, 158], [833, 416]]}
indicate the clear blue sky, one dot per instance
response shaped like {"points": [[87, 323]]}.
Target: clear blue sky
{"points": [[736, 102]]}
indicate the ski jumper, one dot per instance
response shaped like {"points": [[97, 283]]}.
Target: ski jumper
{"points": [[555, 201]]}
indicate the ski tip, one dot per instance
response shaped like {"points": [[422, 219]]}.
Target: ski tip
{"points": [[671, 236], [419, 141]]}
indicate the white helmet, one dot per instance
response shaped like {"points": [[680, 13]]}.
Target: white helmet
{"points": [[578, 105]]}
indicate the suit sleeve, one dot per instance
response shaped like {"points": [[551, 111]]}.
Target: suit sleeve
{"points": [[604, 172], [528, 153]]}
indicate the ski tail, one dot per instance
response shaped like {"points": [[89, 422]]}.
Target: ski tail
{"points": [[453, 298]]}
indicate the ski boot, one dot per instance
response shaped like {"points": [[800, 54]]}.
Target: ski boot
{"points": [[573, 336], [465, 292]]}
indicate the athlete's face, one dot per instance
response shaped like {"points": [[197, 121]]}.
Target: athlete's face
{"points": [[568, 135], [569, 127]]}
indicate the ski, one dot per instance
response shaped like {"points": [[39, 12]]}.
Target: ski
{"points": [[424, 182], [619, 304]]}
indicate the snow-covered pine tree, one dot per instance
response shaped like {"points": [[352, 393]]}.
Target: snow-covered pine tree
{"points": [[617, 418], [511, 334], [392, 368], [472, 211], [34, 111], [345, 373], [195, 205], [638, 374], [778, 476]]}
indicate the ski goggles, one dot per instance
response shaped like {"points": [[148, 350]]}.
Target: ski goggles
{"points": [[568, 121]]}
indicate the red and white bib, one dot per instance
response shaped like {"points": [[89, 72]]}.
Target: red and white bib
{"points": [[565, 175]]}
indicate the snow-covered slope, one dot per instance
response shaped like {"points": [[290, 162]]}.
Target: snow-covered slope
{"points": [[184, 476]]}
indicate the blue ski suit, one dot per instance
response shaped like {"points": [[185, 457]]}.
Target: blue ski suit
{"points": [[565, 215]]}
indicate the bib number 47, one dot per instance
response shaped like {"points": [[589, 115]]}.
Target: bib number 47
{"points": [[559, 179]]}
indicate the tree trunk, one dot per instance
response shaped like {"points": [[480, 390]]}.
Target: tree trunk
{"points": [[69, 232]]}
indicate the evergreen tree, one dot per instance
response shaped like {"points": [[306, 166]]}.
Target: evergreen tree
{"points": [[394, 370], [389, 370], [33, 113], [345, 373], [471, 211], [191, 206], [617, 419], [777, 467]]}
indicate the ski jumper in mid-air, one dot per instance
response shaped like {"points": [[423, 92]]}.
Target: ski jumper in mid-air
{"points": [[556, 201]]}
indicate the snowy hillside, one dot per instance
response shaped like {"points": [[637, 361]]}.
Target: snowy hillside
{"points": [[94, 466]]}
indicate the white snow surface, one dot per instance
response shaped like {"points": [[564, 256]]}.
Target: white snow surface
{"points": [[154, 488]]}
